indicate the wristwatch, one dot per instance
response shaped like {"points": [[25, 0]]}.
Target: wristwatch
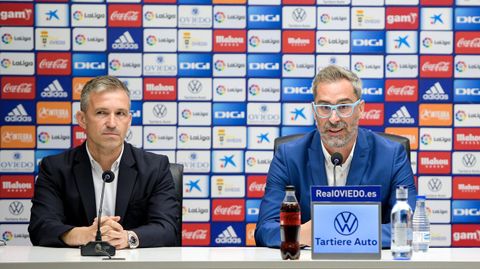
{"points": [[132, 239]]}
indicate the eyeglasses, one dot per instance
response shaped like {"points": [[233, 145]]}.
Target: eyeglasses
{"points": [[343, 110]]}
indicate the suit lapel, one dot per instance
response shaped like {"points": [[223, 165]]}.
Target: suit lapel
{"points": [[127, 177], [316, 162], [359, 160], [82, 172]]}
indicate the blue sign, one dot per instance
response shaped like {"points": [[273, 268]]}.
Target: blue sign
{"points": [[403, 114], [435, 90], [228, 234], [136, 110], [229, 114], [466, 91], [125, 40], [297, 90], [373, 90], [195, 65], [54, 88], [346, 194], [40, 154], [295, 130], [262, 17], [368, 42], [264, 65], [253, 207], [89, 64], [466, 211], [14, 112], [467, 18]]}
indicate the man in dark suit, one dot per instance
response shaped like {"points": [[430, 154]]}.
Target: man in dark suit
{"points": [[369, 159], [140, 205]]}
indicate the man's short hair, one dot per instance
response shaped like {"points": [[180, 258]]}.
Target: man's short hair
{"points": [[334, 73], [100, 84]]}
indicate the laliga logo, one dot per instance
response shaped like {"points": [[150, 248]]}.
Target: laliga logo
{"points": [[221, 90], [80, 39], [346, 223], [289, 66], [183, 137], [7, 38], [359, 66], [6, 63], [219, 17], [16, 208], [426, 139], [151, 138], [43, 137], [461, 66], [149, 15], [7, 236], [115, 64], [251, 161], [254, 41], [434, 184], [469, 160], [186, 113], [151, 40], [219, 65], [392, 66], [427, 42], [460, 115], [322, 41], [77, 15], [254, 89], [325, 18]]}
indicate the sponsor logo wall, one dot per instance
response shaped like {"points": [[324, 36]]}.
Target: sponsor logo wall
{"points": [[213, 83]]}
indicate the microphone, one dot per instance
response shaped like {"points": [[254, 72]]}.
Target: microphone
{"points": [[99, 247], [337, 159]]}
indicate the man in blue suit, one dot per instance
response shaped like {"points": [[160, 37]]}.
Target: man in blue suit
{"points": [[369, 159]]}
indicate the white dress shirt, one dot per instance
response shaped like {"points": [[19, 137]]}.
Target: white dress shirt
{"points": [[342, 170], [109, 198]]}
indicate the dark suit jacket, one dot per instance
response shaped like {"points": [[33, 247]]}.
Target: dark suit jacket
{"points": [[376, 161], [64, 197]]}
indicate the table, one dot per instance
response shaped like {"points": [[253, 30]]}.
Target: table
{"points": [[24, 257]]}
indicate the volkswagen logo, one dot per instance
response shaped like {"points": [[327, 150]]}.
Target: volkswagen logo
{"points": [[434, 184], [16, 208], [469, 160], [299, 14], [160, 111], [195, 86], [346, 223]]}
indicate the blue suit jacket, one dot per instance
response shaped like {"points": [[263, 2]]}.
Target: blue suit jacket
{"points": [[376, 161]]}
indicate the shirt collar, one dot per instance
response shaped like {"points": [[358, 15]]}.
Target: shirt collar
{"points": [[96, 165], [328, 156]]}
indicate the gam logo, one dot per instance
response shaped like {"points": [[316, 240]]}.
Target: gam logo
{"points": [[346, 223]]}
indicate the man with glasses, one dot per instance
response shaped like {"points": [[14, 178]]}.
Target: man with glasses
{"points": [[369, 159]]}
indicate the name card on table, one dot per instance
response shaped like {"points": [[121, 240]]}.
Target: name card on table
{"points": [[346, 222]]}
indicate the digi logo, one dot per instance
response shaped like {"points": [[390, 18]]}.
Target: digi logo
{"points": [[229, 114], [260, 17]]}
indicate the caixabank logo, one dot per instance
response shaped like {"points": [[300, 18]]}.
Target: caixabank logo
{"points": [[264, 65], [195, 65]]}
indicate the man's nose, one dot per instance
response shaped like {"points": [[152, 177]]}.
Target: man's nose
{"points": [[111, 121], [334, 118]]}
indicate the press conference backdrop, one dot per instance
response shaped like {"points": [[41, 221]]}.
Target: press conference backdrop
{"points": [[214, 82]]}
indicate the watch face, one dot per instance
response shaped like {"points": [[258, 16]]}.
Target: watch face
{"points": [[132, 240]]}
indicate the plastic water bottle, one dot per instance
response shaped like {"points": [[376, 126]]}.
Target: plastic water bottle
{"points": [[401, 226], [421, 226]]}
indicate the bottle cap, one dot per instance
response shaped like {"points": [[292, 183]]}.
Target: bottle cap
{"points": [[290, 188], [402, 192]]}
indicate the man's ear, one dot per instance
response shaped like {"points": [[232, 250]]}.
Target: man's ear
{"points": [[80, 116]]}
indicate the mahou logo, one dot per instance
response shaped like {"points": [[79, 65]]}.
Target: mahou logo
{"points": [[16, 14], [466, 188], [434, 162], [16, 186], [256, 186], [436, 66], [402, 18], [195, 234], [467, 42], [18, 88], [298, 41], [373, 114], [160, 89], [466, 139], [79, 136], [465, 235], [228, 210], [125, 15], [54, 63], [229, 41], [401, 90]]}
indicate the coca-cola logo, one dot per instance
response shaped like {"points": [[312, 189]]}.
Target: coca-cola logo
{"points": [[124, 16], [200, 234], [407, 90], [373, 114], [17, 88], [55, 64], [468, 43], [233, 210], [442, 66], [254, 186]]}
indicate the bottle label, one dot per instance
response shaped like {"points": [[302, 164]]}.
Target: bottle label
{"points": [[421, 237], [290, 218]]}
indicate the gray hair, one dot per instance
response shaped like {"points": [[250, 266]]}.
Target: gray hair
{"points": [[100, 84], [334, 73]]}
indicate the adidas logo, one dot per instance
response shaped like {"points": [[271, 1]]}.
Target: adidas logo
{"points": [[54, 90], [125, 41], [228, 236], [402, 116], [18, 114], [435, 92]]}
